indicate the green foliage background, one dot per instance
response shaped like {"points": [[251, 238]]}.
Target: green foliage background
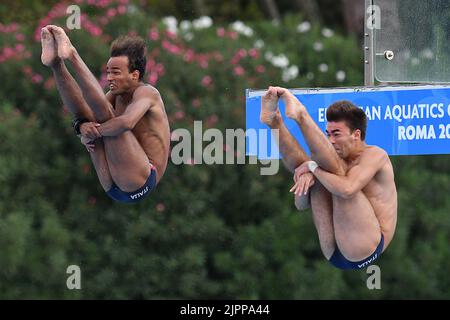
{"points": [[208, 232]]}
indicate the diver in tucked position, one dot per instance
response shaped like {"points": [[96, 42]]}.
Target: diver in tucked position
{"points": [[348, 184], [125, 131]]}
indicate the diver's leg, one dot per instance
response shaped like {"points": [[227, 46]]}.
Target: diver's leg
{"points": [[293, 155], [321, 149], [73, 99]]}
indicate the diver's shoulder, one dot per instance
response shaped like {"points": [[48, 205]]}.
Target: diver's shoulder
{"points": [[146, 90], [375, 150], [149, 88], [375, 153]]}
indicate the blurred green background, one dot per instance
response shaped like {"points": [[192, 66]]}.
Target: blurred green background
{"points": [[207, 232]]}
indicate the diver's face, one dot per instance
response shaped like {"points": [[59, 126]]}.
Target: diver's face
{"points": [[343, 140], [120, 79]]}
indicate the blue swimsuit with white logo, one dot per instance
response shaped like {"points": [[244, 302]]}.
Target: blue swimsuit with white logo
{"points": [[130, 197], [339, 261]]}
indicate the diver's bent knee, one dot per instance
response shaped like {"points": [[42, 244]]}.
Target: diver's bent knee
{"points": [[327, 251], [336, 167]]}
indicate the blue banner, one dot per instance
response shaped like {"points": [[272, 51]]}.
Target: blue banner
{"points": [[401, 120]]}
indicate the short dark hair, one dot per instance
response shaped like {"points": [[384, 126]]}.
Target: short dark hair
{"points": [[354, 117], [135, 49]]}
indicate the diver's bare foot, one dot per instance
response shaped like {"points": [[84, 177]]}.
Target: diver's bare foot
{"points": [[269, 107], [294, 108], [65, 47], [48, 47]]}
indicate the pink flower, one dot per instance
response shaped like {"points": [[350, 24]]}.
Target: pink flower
{"points": [[178, 104], [170, 34], [20, 37], [179, 115], [49, 84], [238, 70], [103, 20], [103, 3], [8, 52], [155, 52], [212, 120], [235, 59], [90, 27], [218, 56], [233, 35], [150, 64], [203, 63], [111, 12], [20, 47], [92, 201], [253, 53], [36, 78], [189, 55], [103, 80], [221, 32], [13, 27], [96, 31], [121, 9], [242, 53], [175, 49], [27, 70], [171, 47], [159, 68], [86, 169], [260, 69], [160, 207], [153, 78], [207, 81], [153, 34], [166, 45], [196, 103]]}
